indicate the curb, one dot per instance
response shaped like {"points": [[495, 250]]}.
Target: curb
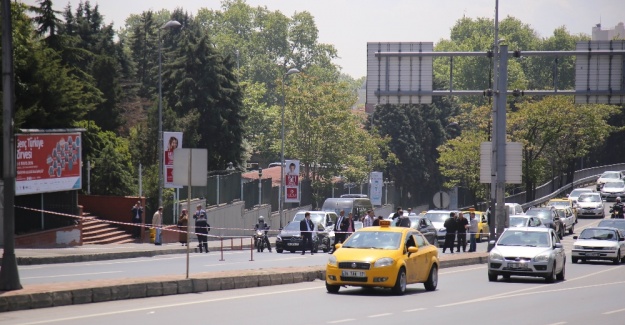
{"points": [[96, 256], [63, 294]]}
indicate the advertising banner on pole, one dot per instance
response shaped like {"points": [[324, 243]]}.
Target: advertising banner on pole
{"points": [[48, 162], [376, 188], [171, 141], [291, 181]]}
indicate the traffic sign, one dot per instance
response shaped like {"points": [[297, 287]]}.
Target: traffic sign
{"points": [[441, 200]]}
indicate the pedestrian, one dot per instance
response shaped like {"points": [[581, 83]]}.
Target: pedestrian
{"points": [[348, 226], [183, 222], [306, 228], [339, 236], [376, 222], [472, 230], [403, 221], [450, 228], [136, 212], [410, 213], [398, 213], [368, 219], [157, 223], [201, 228], [462, 224]]}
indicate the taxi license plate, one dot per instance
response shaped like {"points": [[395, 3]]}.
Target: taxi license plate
{"points": [[293, 244], [592, 254], [356, 274], [516, 265]]}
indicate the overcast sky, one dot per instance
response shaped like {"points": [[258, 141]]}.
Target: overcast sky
{"points": [[350, 24]]}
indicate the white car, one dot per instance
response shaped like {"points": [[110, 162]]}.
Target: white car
{"points": [[577, 192], [590, 205], [613, 189], [608, 176], [438, 217], [532, 251], [523, 220], [599, 243]]}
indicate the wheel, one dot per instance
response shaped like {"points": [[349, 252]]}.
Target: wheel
{"points": [[332, 288], [617, 259], [432, 281], [572, 229], [574, 260], [279, 250], [551, 277], [560, 276], [492, 277], [400, 283], [582, 260], [292, 251]]}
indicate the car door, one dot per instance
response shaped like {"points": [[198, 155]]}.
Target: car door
{"points": [[559, 252], [427, 230], [412, 264]]}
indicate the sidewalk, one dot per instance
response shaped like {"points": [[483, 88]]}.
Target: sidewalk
{"points": [[61, 294]]}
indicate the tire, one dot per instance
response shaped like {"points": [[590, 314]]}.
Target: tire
{"points": [[400, 283], [617, 259], [560, 276], [492, 277], [332, 288], [551, 277], [432, 281], [292, 251], [572, 229], [581, 260], [278, 250], [574, 260]]}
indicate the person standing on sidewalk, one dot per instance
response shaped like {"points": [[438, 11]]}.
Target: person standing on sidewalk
{"points": [[450, 232], [201, 228], [462, 224], [183, 221], [306, 228], [368, 219], [157, 223], [472, 230], [136, 212]]}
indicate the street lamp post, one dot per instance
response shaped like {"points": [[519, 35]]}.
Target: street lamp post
{"points": [[169, 24], [281, 191]]}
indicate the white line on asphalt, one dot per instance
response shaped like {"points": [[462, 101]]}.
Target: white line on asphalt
{"points": [[412, 310], [560, 323], [151, 308], [463, 270], [379, 315], [614, 311], [243, 262], [66, 275], [341, 321]]}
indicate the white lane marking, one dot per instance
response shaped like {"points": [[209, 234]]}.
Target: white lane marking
{"points": [[481, 267], [380, 315], [614, 311], [341, 321], [560, 323], [151, 308], [412, 310], [244, 262], [66, 275], [529, 293]]}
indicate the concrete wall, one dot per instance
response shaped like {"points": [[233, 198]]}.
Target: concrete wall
{"points": [[59, 237]]}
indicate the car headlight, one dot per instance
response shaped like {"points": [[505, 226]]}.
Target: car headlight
{"points": [[544, 257], [332, 260], [577, 247], [386, 261], [599, 206], [494, 255]]}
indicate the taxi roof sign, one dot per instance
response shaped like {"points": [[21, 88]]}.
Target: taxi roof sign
{"points": [[385, 223]]}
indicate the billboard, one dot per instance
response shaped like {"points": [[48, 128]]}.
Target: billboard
{"points": [[376, 188], [291, 181], [171, 141], [48, 162], [602, 74]]}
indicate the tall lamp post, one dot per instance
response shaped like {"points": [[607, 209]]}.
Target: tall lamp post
{"points": [[169, 24], [281, 191]]}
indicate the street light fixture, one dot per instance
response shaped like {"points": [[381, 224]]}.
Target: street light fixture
{"points": [[169, 24], [281, 191]]}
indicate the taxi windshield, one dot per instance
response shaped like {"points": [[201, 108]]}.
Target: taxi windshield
{"points": [[373, 240]]}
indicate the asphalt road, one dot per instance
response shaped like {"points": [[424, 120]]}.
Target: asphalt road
{"points": [[590, 294]]}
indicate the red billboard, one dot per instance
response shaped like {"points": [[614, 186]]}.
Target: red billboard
{"points": [[48, 162]]}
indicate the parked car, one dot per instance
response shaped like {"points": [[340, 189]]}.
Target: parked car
{"points": [[608, 176], [425, 227], [549, 217], [438, 217], [290, 239], [576, 193], [325, 221], [599, 243], [384, 256], [523, 220], [590, 205], [613, 189], [567, 217], [534, 251]]}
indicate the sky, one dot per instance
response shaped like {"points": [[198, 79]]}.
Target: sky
{"points": [[350, 24]]}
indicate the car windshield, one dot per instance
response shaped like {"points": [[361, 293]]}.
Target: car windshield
{"points": [[579, 191], [559, 204], [613, 185], [543, 214], [373, 240], [524, 238], [292, 226], [589, 198], [610, 175], [518, 221], [437, 216], [620, 224], [315, 217], [598, 234]]}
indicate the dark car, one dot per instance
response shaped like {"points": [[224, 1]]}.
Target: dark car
{"points": [[290, 239], [549, 217], [425, 227]]}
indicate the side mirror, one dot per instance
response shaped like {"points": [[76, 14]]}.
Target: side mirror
{"points": [[491, 242], [413, 249], [621, 239], [558, 245], [337, 246]]}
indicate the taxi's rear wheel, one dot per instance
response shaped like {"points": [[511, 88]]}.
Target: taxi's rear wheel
{"points": [[400, 283], [332, 288], [432, 281]]}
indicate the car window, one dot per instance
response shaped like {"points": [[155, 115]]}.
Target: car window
{"points": [[420, 240], [437, 217], [589, 198], [410, 241], [598, 234]]}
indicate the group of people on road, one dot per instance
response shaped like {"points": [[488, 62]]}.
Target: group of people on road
{"points": [[456, 228]]}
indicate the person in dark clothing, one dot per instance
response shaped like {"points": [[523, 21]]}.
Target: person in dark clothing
{"points": [[450, 228], [376, 222], [397, 214], [137, 212], [201, 228], [617, 209], [461, 228], [403, 221], [306, 227]]}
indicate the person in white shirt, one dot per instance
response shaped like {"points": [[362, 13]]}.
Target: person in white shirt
{"points": [[368, 220], [472, 229]]}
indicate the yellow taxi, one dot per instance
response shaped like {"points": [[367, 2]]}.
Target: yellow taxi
{"points": [[563, 203], [482, 224], [383, 256]]}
